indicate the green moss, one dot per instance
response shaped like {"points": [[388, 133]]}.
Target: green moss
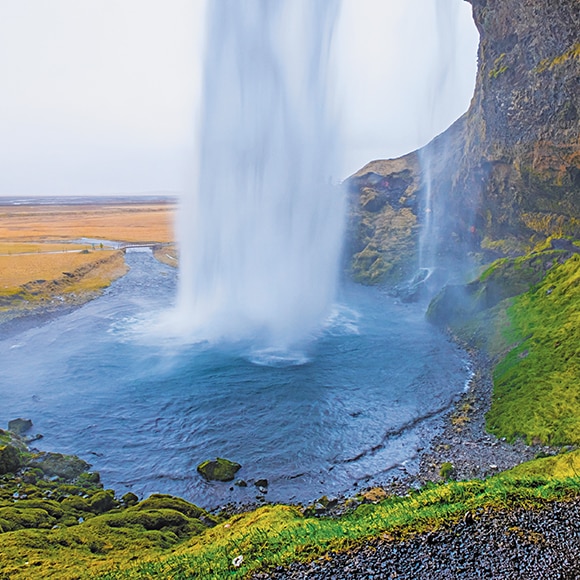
{"points": [[10, 460], [446, 470], [369, 267], [218, 469], [558, 466], [537, 385], [161, 501]]}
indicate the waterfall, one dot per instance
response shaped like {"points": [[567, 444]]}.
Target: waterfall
{"points": [[260, 232], [443, 81]]}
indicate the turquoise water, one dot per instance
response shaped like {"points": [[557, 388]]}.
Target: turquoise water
{"points": [[354, 406]]}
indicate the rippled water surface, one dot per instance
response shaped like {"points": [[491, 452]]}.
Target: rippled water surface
{"points": [[353, 407]]}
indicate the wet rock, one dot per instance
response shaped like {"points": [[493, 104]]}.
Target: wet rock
{"points": [[102, 501], [219, 469], [261, 483], [19, 426], [68, 467], [241, 483], [129, 499]]}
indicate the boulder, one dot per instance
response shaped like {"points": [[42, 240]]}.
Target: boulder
{"points": [[219, 469], [10, 460], [19, 426], [68, 467]]}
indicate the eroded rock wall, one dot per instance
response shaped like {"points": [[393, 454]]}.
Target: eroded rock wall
{"points": [[507, 173]]}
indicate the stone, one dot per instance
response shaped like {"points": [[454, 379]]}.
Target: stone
{"points": [[219, 469], [261, 483], [10, 460], [19, 426], [129, 499], [68, 467]]}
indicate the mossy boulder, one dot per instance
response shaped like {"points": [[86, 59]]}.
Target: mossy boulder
{"points": [[159, 501], [103, 501], [10, 459], [219, 469], [56, 464], [16, 518]]}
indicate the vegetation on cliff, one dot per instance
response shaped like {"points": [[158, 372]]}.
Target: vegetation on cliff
{"points": [[534, 338]]}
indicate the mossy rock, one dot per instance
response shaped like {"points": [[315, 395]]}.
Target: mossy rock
{"points": [[129, 499], [68, 467], [160, 520], [159, 501], [76, 503], [103, 501], [15, 518], [10, 459], [219, 469], [504, 278]]}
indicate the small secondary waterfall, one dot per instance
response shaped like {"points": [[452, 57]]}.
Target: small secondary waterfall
{"points": [[261, 232], [443, 81]]}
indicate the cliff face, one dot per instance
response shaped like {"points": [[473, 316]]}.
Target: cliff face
{"points": [[506, 174]]}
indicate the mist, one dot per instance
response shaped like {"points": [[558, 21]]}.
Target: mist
{"points": [[99, 97]]}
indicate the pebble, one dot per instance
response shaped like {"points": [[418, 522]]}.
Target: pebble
{"points": [[520, 544]]}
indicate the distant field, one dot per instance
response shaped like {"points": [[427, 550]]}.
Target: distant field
{"points": [[41, 264], [148, 222]]}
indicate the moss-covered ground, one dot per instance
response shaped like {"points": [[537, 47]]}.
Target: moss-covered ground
{"points": [[537, 384]]}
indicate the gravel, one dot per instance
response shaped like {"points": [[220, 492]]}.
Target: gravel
{"points": [[517, 544]]}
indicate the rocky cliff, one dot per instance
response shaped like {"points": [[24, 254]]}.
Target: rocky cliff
{"points": [[506, 174]]}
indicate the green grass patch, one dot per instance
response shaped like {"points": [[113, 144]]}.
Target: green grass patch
{"points": [[537, 385]]}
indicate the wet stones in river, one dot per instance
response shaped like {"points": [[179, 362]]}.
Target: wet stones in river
{"points": [[19, 426], [262, 485], [219, 469]]}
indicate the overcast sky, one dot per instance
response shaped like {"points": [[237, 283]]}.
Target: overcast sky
{"points": [[97, 96]]}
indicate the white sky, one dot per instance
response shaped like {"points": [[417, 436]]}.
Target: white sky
{"points": [[97, 96]]}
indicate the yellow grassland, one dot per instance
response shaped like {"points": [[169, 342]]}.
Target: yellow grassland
{"points": [[120, 222], [19, 269]]}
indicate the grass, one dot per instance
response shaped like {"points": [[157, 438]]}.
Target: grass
{"points": [[537, 385], [18, 270], [11, 248], [119, 222]]}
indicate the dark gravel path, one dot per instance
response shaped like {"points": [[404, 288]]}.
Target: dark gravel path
{"points": [[519, 544]]}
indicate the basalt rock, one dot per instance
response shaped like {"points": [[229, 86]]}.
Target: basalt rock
{"points": [[19, 426]]}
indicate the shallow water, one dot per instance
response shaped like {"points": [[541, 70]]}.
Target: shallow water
{"points": [[354, 406]]}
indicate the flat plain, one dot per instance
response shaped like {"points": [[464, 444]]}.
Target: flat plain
{"points": [[62, 252]]}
